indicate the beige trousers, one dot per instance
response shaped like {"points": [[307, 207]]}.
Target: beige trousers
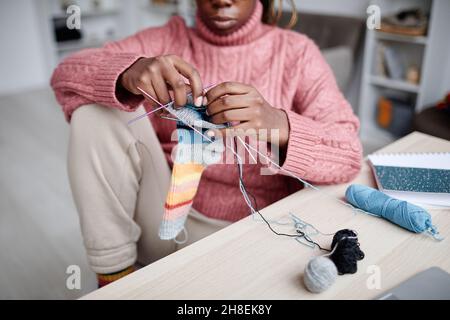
{"points": [[119, 178]]}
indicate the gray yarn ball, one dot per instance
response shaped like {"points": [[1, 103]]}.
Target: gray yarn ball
{"points": [[320, 274]]}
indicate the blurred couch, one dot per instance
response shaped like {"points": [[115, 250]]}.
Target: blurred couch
{"points": [[339, 38]]}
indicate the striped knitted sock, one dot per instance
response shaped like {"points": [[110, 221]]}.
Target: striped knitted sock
{"points": [[193, 154], [104, 279]]}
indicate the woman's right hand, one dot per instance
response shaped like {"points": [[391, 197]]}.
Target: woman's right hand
{"points": [[158, 76]]}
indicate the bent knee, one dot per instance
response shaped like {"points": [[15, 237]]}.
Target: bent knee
{"points": [[92, 119], [96, 125]]}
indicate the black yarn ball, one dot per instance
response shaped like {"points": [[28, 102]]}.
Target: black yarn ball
{"points": [[347, 253]]}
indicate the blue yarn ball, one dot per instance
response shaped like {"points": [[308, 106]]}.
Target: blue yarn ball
{"points": [[402, 213]]}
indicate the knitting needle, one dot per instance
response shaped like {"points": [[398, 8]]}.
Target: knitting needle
{"points": [[248, 150], [161, 106], [189, 94], [150, 112]]}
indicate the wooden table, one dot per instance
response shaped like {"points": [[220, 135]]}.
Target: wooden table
{"points": [[247, 261]]}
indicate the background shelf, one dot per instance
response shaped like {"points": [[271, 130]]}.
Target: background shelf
{"points": [[401, 38], [428, 54], [394, 84], [92, 13]]}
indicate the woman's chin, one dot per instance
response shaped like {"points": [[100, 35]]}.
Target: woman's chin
{"points": [[223, 27]]}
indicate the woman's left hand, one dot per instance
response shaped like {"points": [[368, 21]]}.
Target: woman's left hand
{"points": [[237, 102]]}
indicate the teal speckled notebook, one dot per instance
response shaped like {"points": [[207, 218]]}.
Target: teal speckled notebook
{"points": [[422, 178]]}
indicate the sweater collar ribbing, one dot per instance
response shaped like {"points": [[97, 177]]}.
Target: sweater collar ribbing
{"points": [[247, 33]]}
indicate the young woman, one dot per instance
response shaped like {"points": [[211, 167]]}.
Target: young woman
{"points": [[266, 78]]}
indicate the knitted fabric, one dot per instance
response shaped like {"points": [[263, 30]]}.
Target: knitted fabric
{"points": [[193, 154]]}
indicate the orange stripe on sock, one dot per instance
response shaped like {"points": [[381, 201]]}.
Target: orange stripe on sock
{"points": [[188, 178], [181, 170], [179, 197], [178, 205], [182, 187]]}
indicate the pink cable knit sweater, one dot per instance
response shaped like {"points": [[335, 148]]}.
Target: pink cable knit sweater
{"points": [[286, 67]]}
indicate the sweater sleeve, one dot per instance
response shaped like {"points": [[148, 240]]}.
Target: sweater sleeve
{"points": [[90, 75], [323, 145]]}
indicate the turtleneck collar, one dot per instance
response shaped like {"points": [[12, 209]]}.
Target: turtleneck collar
{"points": [[250, 31]]}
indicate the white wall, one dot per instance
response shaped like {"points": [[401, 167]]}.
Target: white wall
{"points": [[22, 61], [446, 83]]}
